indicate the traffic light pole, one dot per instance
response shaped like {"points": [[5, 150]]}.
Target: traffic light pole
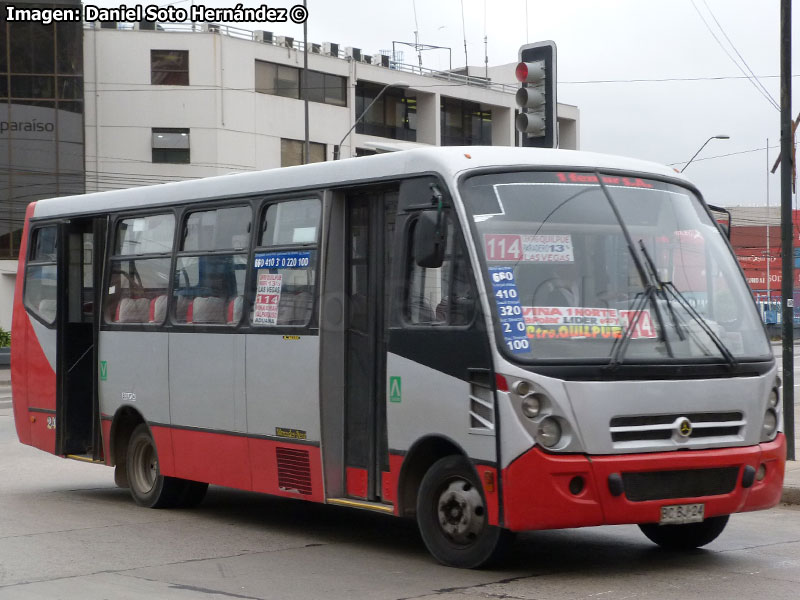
{"points": [[787, 255]]}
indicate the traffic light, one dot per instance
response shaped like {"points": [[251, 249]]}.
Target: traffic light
{"points": [[536, 98]]}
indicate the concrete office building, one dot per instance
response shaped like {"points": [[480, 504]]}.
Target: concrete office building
{"points": [[156, 102]]}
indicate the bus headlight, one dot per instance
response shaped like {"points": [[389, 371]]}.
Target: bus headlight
{"points": [[774, 398], [521, 387], [770, 426], [531, 406], [548, 432]]}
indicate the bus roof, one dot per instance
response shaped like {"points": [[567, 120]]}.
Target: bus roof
{"points": [[448, 161]]}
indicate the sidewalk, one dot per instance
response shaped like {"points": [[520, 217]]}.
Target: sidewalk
{"points": [[791, 482]]}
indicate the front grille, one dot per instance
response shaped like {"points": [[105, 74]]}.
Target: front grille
{"points": [[294, 470], [663, 427], [664, 485]]}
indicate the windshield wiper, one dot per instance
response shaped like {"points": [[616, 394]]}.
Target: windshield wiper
{"points": [[651, 267], [620, 344], [668, 286], [650, 289]]}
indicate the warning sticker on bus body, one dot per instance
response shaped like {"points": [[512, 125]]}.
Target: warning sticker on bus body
{"points": [[573, 322], [506, 295], [268, 298], [282, 260], [528, 248]]}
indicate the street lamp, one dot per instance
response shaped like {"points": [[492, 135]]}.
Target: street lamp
{"points": [[713, 137], [397, 84]]}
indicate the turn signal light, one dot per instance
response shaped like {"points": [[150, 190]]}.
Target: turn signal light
{"points": [[488, 481]]}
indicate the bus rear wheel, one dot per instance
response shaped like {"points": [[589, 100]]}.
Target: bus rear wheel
{"points": [[148, 486], [687, 536], [452, 516]]}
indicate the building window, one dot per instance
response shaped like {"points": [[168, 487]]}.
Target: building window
{"points": [[169, 67], [326, 88], [283, 80], [392, 116], [41, 88], [292, 152], [465, 123], [171, 145]]}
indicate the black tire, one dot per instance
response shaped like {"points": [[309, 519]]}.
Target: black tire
{"points": [[452, 516], [687, 536], [148, 486]]}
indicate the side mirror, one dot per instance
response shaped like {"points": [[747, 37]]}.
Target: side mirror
{"points": [[722, 216], [430, 239]]}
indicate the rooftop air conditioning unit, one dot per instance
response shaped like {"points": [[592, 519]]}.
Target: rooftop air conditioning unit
{"points": [[285, 40], [265, 37], [209, 27], [316, 49], [366, 59], [382, 60], [354, 53], [331, 49]]}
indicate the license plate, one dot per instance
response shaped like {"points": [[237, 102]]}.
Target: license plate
{"points": [[682, 513]]}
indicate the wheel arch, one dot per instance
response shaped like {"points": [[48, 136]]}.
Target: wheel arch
{"points": [[125, 420], [419, 458]]}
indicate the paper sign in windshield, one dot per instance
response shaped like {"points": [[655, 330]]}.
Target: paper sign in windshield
{"points": [[268, 298], [504, 288], [528, 248], [570, 322]]}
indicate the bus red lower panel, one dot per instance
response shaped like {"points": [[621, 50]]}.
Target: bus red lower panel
{"points": [[537, 494], [257, 464]]}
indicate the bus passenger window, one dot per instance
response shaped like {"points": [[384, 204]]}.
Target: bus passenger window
{"points": [[139, 278], [442, 296], [209, 288], [285, 264], [41, 275]]}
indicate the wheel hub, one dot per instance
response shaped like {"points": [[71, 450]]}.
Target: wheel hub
{"points": [[461, 512], [146, 467]]}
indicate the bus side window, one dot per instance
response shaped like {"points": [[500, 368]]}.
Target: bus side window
{"points": [[441, 296], [285, 264], [137, 287], [209, 287], [41, 275]]}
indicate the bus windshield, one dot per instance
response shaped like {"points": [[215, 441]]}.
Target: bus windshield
{"points": [[632, 270]]}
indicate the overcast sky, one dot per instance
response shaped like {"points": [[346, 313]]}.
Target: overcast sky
{"points": [[615, 40]]}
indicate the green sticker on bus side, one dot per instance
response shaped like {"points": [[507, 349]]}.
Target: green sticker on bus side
{"points": [[395, 394], [103, 370]]}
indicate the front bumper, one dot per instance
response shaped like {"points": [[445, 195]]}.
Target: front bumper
{"points": [[537, 495]]}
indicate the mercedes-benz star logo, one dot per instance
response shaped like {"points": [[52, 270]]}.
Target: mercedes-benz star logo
{"points": [[685, 427]]}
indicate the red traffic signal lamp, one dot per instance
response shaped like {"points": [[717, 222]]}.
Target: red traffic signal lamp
{"points": [[537, 120]]}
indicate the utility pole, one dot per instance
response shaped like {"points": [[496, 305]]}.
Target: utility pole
{"points": [[769, 248], [305, 83], [787, 256]]}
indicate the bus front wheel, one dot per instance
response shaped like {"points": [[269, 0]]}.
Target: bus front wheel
{"points": [[686, 536], [452, 516], [148, 486]]}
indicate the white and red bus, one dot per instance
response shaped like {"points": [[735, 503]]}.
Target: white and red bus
{"points": [[487, 340]]}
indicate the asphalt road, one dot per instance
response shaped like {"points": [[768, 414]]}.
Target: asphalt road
{"points": [[67, 533]]}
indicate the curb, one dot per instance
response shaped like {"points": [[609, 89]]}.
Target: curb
{"points": [[791, 495]]}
